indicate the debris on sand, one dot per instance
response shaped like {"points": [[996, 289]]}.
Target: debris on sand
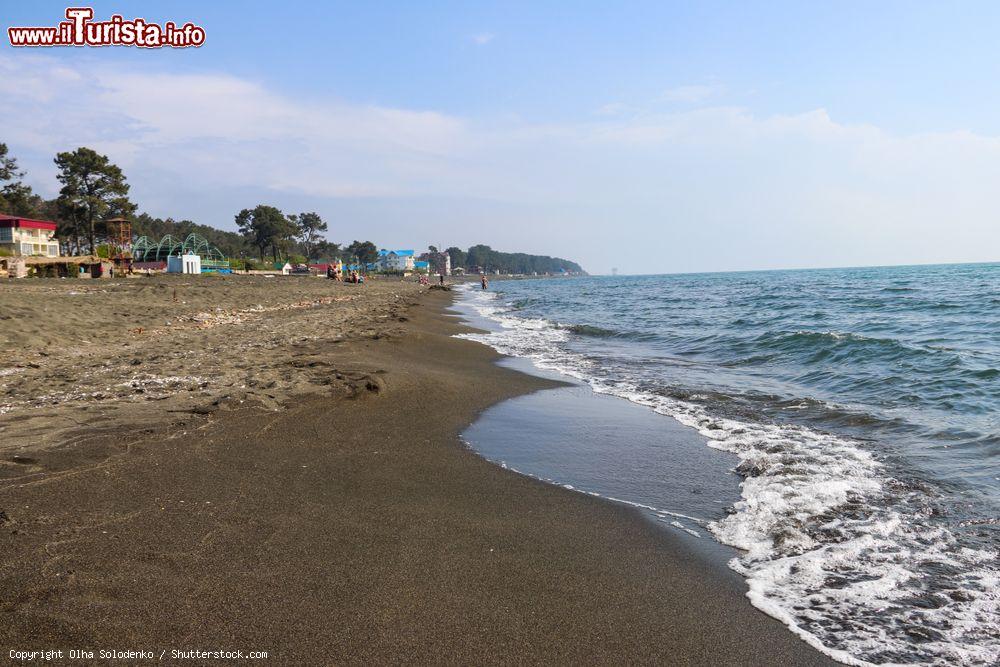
{"points": [[256, 342]]}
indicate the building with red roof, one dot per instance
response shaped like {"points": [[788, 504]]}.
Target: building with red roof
{"points": [[25, 237], [322, 269]]}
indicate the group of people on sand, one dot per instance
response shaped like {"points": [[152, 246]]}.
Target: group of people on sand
{"points": [[424, 280], [334, 273], [341, 276]]}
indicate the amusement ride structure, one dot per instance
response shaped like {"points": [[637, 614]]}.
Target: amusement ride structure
{"points": [[146, 250]]}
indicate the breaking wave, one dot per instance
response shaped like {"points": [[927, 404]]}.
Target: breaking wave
{"points": [[847, 551]]}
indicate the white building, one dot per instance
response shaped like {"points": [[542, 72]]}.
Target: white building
{"points": [[189, 263], [395, 260], [25, 237], [439, 263]]}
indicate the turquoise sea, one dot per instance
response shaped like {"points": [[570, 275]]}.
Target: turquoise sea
{"points": [[860, 409]]}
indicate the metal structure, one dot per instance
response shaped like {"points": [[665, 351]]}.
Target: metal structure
{"points": [[119, 241], [146, 250]]}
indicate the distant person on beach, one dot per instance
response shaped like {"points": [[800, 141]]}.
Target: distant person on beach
{"points": [[441, 278], [485, 282], [331, 272]]}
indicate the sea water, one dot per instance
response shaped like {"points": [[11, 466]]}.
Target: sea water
{"points": [[863, 410]]}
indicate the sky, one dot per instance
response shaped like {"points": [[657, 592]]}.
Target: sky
{"points": [[652, 137]]}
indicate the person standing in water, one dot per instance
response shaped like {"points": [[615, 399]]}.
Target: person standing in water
{"points": [[485, 282]]}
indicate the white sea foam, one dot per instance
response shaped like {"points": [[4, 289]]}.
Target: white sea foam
{"points": [[844, 554]]}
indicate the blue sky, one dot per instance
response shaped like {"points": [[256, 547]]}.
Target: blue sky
{"points": [[650, 136]]}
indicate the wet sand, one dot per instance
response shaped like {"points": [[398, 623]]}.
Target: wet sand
{"points": [[343, 524]]}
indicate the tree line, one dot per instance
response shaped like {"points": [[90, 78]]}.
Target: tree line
{"points": [[296, 237], [94, 190], [485, 258]]}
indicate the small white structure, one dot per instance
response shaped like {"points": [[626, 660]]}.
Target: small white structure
{"points": [[286, 269], [184, 264], [439, 263]]}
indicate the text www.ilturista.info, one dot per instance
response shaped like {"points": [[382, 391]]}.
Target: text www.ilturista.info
{"points": [[80, 30]]}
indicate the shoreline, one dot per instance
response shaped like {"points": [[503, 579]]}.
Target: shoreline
{"points": [[357, 527]]}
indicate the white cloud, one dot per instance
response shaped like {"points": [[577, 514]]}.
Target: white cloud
{"points": [[235, 131], [713, 187], [483, 38]]}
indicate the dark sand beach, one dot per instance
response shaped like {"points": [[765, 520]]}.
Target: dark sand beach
{"points": [[335, 517]]}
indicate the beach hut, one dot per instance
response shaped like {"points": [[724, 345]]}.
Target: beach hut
{"points": [[103, 268], [13, 267], [184, 264], [82, 266]]}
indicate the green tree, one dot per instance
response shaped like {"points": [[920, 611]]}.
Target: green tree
{"points": [[16, 198], [8, 166], [94, 187], [327, 250], [365, 251], [70, 218], [457, 257], [489, 259], [482, 256], [311, 229], [266, 227]]}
